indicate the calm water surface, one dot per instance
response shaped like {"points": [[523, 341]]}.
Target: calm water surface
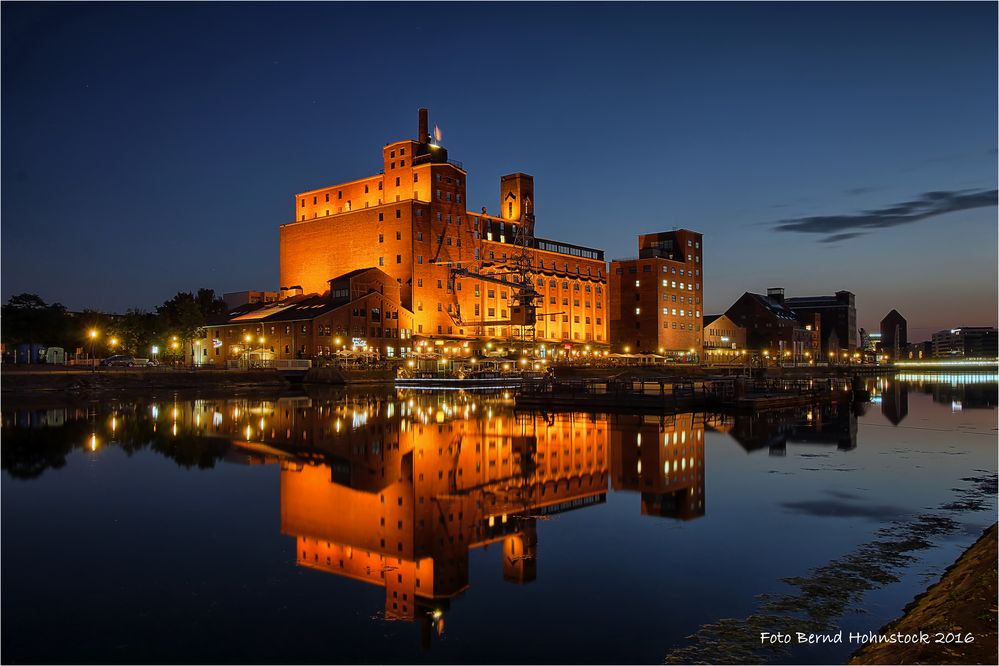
{"points": [[445, 527]]}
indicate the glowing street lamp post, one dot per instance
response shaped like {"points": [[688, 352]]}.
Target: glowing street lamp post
{"points": [[93, 346]]}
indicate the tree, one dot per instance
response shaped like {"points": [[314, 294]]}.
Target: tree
{"points": [[27, 318], [137, 331], [209, 303], [183, 317]]}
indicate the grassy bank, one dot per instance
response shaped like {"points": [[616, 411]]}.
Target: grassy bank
{"points": [[962, 602]]}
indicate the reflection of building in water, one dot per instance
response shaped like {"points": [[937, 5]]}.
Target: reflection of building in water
{"points": [[402, 502], [894, 400], [970, 390], [663, 459], [396, 492], [827, 423]]}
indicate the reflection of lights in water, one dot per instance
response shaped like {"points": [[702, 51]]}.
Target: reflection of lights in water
{"points": [[639, 467], [262, 424], [155, 412], [197, 420], [217, 419], [173, 430], [638, 440], [249, 432], [956, 406], [360, 418], [114, 424], [337, 425], [174, 413], [93, 442], [666, 468]]}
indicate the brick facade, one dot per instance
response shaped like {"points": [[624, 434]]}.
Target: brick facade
{"points": [[411, 222], [656, 300]]}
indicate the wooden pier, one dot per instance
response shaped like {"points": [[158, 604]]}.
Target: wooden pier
{"points": [[671, 394]]}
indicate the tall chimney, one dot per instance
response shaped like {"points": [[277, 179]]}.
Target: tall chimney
{"points": [[424, 130]]}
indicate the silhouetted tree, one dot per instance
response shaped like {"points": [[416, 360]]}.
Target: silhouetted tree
{"points": [[27, 318]]}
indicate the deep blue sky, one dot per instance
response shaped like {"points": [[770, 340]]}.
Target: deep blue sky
{"points": [[154, 148]]}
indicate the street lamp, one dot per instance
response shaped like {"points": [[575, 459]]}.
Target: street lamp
{"points": [[93, 343]]}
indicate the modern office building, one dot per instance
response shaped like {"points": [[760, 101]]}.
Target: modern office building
{"points": [[656, 298], [966, 342], [464, 274]]}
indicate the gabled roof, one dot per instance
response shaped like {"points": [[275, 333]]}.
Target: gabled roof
{"points": [[710, 319]]}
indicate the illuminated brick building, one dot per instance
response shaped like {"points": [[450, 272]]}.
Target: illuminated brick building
{"points": [[358, 307], [411, 221], [655, 300]]}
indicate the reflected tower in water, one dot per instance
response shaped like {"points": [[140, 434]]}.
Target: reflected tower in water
{"points": [[396, 492]]}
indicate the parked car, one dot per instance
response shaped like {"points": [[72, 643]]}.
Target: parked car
{"points": [[119, 360]]}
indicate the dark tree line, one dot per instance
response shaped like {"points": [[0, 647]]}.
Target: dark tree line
{"points": [[172, 327]]}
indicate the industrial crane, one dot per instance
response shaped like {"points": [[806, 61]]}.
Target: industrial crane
{"points": [[523, 306]]}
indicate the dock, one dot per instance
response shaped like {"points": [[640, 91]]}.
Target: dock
{"points": [[670, 394]]}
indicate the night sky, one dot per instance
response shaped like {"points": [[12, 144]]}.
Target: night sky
{"points": [[149, 149]]}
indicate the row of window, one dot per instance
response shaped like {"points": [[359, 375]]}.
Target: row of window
{"points": [[647, 268]]}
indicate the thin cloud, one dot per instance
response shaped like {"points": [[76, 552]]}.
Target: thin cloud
{"points": [[842, 237], [927, 205]]}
